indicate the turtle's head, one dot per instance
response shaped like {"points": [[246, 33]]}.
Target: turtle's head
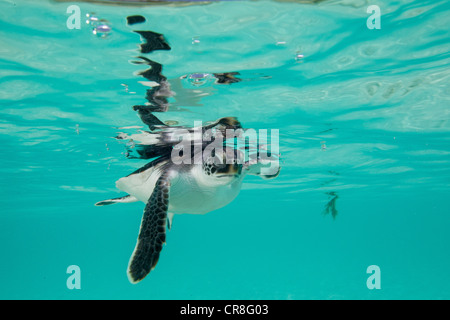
{"points": [[221, 170]]}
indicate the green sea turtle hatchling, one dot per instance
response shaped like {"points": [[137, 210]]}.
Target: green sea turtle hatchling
{"points": [[168, 188]]}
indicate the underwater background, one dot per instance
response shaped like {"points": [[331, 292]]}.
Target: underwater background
{"points": [[364, 133]]}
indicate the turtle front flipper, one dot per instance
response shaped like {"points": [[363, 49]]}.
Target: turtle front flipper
{"points": [[152, 234]]}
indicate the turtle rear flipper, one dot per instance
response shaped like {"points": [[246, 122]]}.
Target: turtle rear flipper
{"points": [[126, 199]]}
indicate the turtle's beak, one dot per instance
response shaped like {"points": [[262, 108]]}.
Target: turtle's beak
{"points": [[232, 169]]}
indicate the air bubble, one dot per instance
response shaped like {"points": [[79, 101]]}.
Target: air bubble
{"points": [[196, 40], [199, 79], [100, 27], [299, 56], [102, 30], [92, 19]]}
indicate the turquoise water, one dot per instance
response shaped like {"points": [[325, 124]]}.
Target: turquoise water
{"points": [[363, 116]]}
